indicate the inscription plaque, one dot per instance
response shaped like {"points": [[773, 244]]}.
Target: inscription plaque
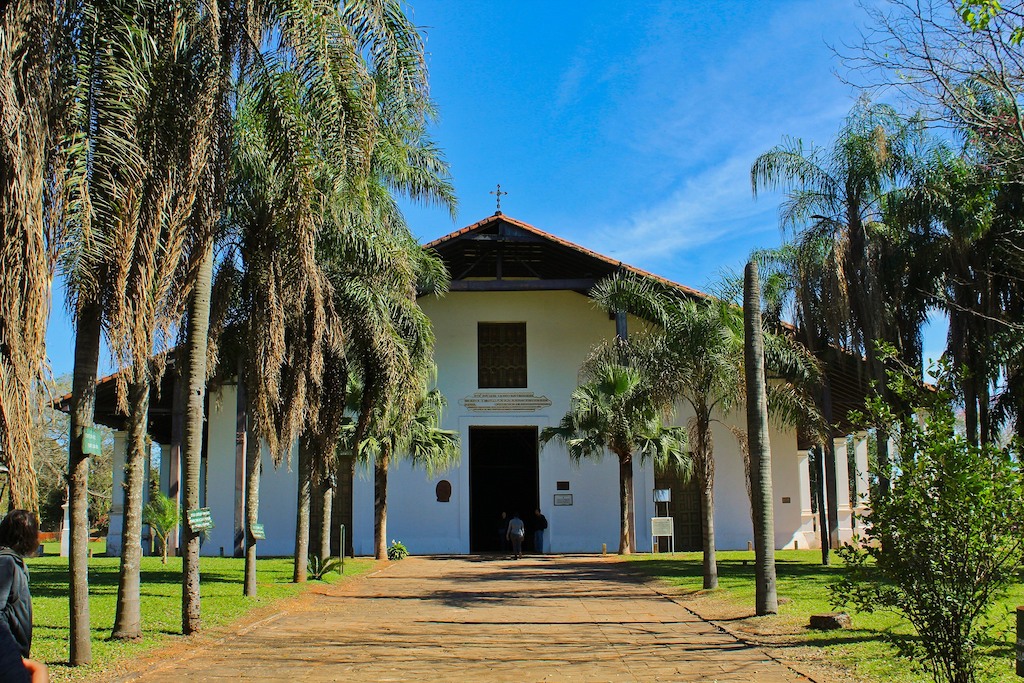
{"points": [[505, 402]]}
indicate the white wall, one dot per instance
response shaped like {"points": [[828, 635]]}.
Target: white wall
{"points": [[561, 329], [277, 504], [220, 472]]}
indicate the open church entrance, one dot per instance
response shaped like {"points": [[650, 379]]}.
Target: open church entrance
{"points": [[503, 477]]}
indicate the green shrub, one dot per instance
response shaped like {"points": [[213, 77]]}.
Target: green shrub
{"points": [[162, 516], [397, 551], [318, 568], [945, 543]]}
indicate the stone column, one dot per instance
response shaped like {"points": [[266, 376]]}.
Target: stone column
{"points": [[117, 495], [808, 532], [860, 505], [843, 493]]}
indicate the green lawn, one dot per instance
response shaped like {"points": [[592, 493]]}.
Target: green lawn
{"points": [[803, 587], [222, 602]]}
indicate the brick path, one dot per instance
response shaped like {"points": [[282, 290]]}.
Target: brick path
{"points": [[580, 618]]}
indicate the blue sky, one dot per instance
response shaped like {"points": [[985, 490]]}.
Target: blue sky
{"points": [[626, 127]]}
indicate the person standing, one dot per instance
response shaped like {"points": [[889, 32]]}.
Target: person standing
{"points": [[503, 532], [516, 532], [19, 537], [540, 523]]}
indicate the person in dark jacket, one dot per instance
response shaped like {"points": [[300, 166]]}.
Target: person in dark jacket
{"points": [[12, 666], [540, 523], [19, 536]]}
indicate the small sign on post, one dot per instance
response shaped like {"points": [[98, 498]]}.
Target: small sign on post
{"points": [[661, 527], [257, 532], [199, 520], [92, 441]]}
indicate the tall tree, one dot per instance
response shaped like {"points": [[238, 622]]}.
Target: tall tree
{"points": [[958, 61], [759, 447], [140, 106], [836, 199], [618, 408]]}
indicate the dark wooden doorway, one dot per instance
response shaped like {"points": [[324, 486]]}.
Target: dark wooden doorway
{"points": [[502, 478], [684, 509]]}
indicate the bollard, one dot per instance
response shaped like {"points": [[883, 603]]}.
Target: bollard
{"points": [[1020, 641], [604, 548], [750, 546]]}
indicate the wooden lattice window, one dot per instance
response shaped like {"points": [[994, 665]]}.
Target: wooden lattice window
{"points": [[501, 355]]}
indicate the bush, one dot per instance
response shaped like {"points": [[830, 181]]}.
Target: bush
{"points": [[397, 551], [319, 567], [162, 515], [945, 543]]}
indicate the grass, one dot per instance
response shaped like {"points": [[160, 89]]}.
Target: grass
{"points": [[222, 603], [803, 589]]}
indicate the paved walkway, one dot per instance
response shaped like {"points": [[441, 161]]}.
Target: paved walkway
{"points": [[577, 618]]}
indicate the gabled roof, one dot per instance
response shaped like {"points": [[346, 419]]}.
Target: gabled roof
{"points": [[503, 253]]}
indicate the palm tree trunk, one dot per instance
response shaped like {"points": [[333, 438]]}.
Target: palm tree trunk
{"points": [[302, 511], [252, 507], [326, 503], [83, 406], [194, 381], [766, 599], [706, 482], [625, 503], [128, 614], [316, 492], [380, 504]]}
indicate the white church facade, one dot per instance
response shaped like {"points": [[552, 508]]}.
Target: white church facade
{"points": [[511, 335]]}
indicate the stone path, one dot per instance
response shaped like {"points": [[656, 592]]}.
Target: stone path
{"points": [[576, 618]]}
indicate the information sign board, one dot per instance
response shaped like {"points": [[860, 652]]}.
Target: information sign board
{"points": [[199, 520], [92, 441], [662, 527], [257, 532]]}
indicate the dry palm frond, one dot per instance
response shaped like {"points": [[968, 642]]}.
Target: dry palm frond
{"points": [[33, 75]]}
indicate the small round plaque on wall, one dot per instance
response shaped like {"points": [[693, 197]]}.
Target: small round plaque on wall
{"points": [[444, 491]]}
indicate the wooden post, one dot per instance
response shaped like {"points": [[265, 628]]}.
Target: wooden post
{"points": [[1020, 641]]}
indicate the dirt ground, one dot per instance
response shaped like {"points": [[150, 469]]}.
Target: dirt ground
{"points": [[548, 618]]}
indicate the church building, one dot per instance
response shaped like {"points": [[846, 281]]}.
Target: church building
{"points": [[511, 334]]}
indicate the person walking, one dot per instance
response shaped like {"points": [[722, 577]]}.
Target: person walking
{"points": [[540, 523], [516, 532]]}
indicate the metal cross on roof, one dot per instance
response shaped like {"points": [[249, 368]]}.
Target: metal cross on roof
{"points": [[498, 193]]}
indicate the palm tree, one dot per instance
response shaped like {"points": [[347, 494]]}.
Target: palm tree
{"points": [[139, 118], [414, 436], [759, 449], [836, 199], [697, 358], [618, 408], [332, 49], [37, 68], [35, 75]]}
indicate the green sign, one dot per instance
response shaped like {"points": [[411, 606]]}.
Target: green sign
{"points": [[200, 520], [92, 441], [257, 532]]}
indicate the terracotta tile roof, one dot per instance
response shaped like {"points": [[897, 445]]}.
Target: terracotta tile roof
{"points": [[565, 243]]}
